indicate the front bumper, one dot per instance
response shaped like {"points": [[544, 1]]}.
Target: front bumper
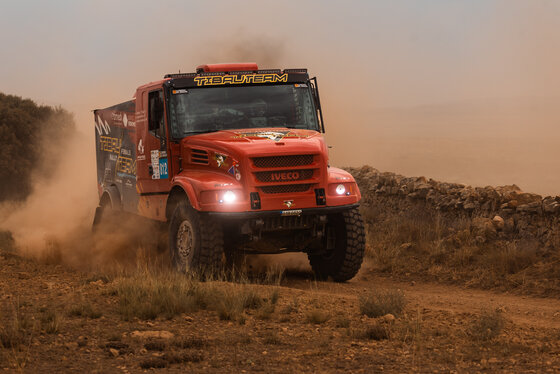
{"points": [[282, 213]]}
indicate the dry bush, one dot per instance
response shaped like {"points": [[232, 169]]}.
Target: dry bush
{"points": [[317, 316], [84, 309], [272, 338], [487, 326], [375, 331], [189, 342], [383, 302], [50, 321], [342, 322], [511, 258]]}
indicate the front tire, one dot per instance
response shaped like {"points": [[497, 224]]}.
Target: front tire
{"points": [[345, 247], [196, 242]]}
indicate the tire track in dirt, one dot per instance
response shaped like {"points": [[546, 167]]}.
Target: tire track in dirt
{"points": [[522, 310]]}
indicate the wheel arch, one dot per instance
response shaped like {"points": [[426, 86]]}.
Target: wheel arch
{"points": [[176, 195], [112, 196]]}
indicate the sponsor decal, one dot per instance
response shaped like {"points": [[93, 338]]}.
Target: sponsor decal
{"points": [[272, 135], [117, 117], [163, 173], [159, 165], [294, 212], [240, 79], [220, 159], [127, 123], [141, 146], [155, 163], [233, 170], [125, 166], [102, 127], [109, 144]]}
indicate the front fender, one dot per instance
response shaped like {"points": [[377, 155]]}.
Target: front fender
{"points": [[205, 188], [336, 177]]}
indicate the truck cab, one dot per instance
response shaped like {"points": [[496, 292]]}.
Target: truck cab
{"points": [[233, 160]]}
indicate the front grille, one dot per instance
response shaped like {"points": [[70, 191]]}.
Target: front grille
{"points": [[284, 175], [287, 223], [286, 188], [282, 161]]}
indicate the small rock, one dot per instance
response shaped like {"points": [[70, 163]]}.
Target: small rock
{"points": [[406, 246], [388, 317], [82, 341], [114, 352], [152, 334], [498, 223], [71, 345]]}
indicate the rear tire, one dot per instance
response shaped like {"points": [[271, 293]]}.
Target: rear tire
{"points": [[196, 242], [343, 261], [106, 217]]}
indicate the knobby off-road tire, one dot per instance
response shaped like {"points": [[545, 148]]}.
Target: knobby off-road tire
{"points": [[342, 262], [106, 218], [196, 242]]}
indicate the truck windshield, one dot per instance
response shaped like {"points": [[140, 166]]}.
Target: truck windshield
{"points": [[199, 110]]}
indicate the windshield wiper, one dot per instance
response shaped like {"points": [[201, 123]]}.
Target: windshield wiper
{"points": [[199, 132]]}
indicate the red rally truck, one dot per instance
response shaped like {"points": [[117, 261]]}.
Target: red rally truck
{"points": [[232, 159]]}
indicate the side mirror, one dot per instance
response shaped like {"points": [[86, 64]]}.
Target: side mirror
{"points": [[317, 101]]}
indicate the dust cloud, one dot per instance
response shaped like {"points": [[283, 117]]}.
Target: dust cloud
{"points": [[54, 224]]}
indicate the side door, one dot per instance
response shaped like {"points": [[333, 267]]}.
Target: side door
{"points": [[152, 166]]}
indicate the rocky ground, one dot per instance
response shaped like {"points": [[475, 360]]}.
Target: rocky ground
{"points": [[56, 319]]}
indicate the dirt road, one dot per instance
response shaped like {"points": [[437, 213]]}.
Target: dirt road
{"points": [[314, 327]]}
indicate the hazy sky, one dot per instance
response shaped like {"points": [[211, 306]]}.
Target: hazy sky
{"points": [[367, 55]]}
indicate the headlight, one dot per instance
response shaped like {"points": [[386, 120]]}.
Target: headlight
{"points": [[340, 189], [229, 197]]}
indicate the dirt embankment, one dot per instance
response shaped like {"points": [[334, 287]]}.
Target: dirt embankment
{"points": [[482, 236]]}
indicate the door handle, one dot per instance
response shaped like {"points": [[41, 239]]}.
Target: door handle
{"points": [[151, 170]]}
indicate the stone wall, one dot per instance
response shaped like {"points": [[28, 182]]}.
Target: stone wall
{"points": [[494, 213]]}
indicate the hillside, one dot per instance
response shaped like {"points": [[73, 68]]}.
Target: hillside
{"points": [[31, 139]]}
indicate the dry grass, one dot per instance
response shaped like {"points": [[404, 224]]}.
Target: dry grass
{"points": [[50, 321], [148, 295], [382, 302], [317, 316], [84, 309], [487, 326], [374, 331], [16, 334], [415, 240]]}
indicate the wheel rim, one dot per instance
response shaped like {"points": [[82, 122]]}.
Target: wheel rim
{"points": [[185, 241]]}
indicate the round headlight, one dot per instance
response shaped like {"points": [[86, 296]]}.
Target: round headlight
{"points": [[229, 197], [340, 189]]}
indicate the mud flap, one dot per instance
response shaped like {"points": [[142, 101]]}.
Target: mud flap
{"points": [[97, 217]]}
